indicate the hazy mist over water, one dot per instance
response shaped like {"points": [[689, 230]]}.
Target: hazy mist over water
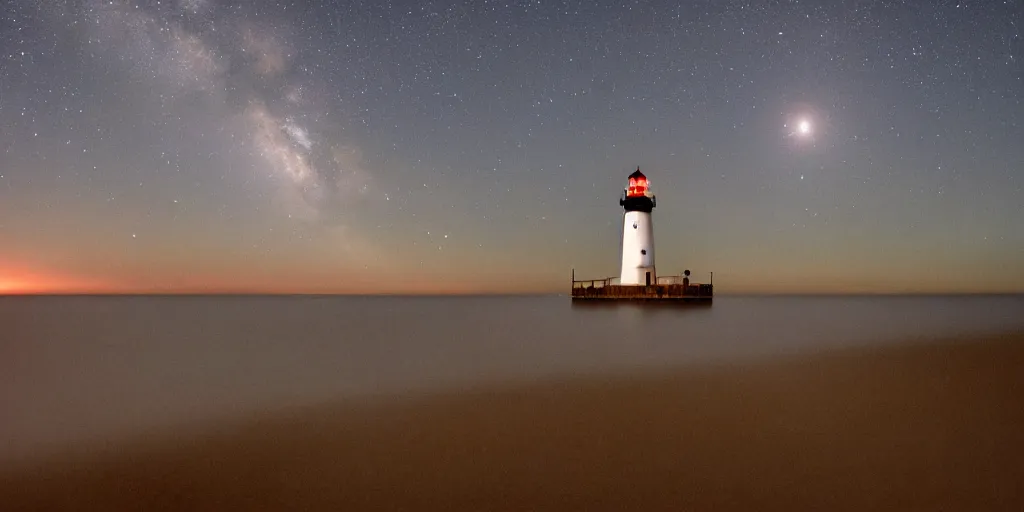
{"points": [[87, 368]]}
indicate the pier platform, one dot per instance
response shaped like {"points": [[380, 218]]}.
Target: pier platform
{"points": [[666, 290]]}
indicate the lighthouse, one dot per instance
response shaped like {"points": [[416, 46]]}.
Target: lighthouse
{"points": [[637, 280], [637, 233]]}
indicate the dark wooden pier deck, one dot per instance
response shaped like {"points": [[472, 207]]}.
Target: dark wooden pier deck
{"points": [[671, 291]]}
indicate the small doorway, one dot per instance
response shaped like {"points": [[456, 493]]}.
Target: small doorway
{"points": [[648, 278]]}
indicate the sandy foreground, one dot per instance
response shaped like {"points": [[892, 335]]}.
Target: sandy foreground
{"points": [[925, 426]]}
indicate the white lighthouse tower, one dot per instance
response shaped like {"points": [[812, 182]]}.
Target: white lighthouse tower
{"points": [[637, 233]]}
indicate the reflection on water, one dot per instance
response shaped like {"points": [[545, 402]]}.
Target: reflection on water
{"points": [[636, 314], [82, 367]]}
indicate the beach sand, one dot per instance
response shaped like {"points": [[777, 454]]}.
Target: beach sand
{"points": [[921, 426]]}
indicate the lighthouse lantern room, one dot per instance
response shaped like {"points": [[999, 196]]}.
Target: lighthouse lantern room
{"points": [[638, 233]]}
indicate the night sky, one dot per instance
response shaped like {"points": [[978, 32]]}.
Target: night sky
{"points": [[480, 146]]}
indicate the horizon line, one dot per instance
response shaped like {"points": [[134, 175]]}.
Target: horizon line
{"points": [[499, 294]]}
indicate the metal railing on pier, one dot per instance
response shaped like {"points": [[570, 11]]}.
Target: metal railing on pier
{"points": [[664, 287]]}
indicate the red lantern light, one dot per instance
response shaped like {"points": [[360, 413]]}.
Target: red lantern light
{"points": [[638, 185]]}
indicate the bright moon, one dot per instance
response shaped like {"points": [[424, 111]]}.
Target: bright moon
{"points": [[804, 127]]}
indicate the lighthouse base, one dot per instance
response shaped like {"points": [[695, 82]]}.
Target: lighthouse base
{"points": [[600, 291]]}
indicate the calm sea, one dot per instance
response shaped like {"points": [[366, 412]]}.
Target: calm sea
{"points": [[77, 369]]}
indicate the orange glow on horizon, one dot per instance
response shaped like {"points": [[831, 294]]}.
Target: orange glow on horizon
{"points": [[21, 279], [17, 280], [8, 285]]}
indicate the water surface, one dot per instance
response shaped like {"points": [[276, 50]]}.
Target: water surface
{"points": [[76, 369]]}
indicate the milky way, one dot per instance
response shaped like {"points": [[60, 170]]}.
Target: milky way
{"points": [[241, 70], [481, 146]]}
